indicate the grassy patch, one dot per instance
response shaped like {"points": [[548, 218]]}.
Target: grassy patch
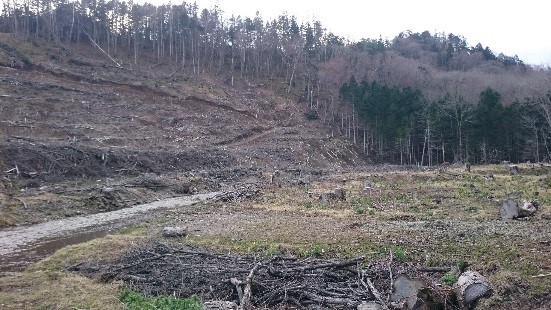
{"points": [[449, 279], [136, 301], [8, 217], [47, 284], [55, 289]]}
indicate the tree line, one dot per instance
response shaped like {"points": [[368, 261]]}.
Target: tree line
{"points": [[423, 98], [400, 125]]}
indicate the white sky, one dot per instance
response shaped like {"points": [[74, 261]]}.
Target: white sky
{"points": [[510, 27]]}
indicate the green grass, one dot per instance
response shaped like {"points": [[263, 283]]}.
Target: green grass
{"points": [[400, 254], [136, 301], [366, 201], [317, 250], [449, 279]]}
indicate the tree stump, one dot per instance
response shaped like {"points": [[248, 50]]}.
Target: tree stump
{"points": [[509, 210], [513, 169], [406, 291], [340, 194], [327, 197]]}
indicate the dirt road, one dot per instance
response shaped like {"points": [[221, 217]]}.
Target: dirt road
{"points": [[20, 245]]}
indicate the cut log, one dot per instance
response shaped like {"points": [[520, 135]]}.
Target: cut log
{"points": [[170, 232], [528, 208], [219, 305], [406, 291], [471, 286], [369, 306]]}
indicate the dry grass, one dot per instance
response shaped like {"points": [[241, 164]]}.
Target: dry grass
{"points": [[424, 217], [432, 218], [56, 290], [46, 285]]}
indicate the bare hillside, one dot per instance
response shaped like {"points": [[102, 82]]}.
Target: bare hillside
{"points": [[70, 114]]}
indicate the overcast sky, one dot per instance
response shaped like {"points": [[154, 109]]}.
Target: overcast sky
{"points": [[510, 27]]}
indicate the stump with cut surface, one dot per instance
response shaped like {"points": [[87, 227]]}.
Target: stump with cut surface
{"points": [[411, 294], [510, 209]]}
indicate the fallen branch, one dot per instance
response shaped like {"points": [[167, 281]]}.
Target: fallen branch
{"points": [[542, 275], [16, 169], [14, 124], [371, 288], [24, 204], [138, 263], [101, 49], [247, 294], [237, 283], [434, 269], [330, 300], [22, 138], [342, 264], [390, 276], [198, 253]]}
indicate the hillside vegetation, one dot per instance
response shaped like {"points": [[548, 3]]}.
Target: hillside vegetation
{"points": [[322, 150], [471, 104]]}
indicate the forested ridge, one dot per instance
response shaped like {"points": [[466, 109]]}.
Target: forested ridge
{"points": [[419, 98]]}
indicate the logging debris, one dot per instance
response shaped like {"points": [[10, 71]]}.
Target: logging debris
{"points": [[249, 281], [252, 282]]}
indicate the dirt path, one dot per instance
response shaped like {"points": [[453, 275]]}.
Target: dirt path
{"points": [[18, 245], [251, 138]]}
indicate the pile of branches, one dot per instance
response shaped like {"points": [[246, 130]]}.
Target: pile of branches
{"points": [[251, 282], [239, 193]]}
